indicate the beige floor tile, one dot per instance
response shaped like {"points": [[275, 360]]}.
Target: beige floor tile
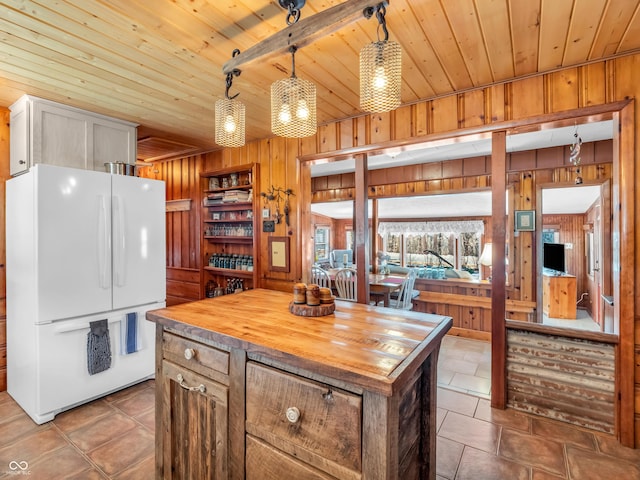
{"points": [[471, 383], [92, 435], [479, 465], [470, 431], [538, 452], [80, 416], [457, 402], [563, 432], [448, 455], [59, 465], [585, 465], [119, 454]]}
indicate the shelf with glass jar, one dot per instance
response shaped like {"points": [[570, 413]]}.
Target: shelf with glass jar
{"points": [[230, 224], [231, 264]]}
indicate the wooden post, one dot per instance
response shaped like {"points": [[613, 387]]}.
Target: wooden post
{"points": [[498, 237], [361, 227]]}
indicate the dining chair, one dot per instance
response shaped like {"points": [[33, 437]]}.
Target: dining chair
{"points": [[346, 283], [405, 294], [320, 277]]}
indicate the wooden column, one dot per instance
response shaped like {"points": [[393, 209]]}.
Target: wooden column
{"points": [[361, 227], [498, 237], [624, 222]]}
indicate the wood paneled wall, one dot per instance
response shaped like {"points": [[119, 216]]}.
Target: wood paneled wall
{"points": [[540, 378], [567, 89], [4, 175]]}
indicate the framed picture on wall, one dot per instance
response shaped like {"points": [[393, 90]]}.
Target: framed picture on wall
{"points": [[279, 254], [525, 220]]}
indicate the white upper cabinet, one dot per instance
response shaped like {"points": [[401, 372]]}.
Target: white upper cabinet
{"points": [[47, 132]]}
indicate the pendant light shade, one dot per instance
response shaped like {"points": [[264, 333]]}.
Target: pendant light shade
{"points": [[293, 106], [380, 76], [230, 123], [380, 68]]}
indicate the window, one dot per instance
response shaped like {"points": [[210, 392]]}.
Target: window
{"points": [[321, 245], [434, 250]]}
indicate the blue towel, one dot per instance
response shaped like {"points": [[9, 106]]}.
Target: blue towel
{"points": [[129, 338]]}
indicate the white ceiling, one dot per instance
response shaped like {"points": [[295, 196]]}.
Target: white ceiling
{"points": [[478, 203]]}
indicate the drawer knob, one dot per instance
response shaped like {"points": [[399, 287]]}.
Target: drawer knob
{"points": [[189, 353], [293, 414]]}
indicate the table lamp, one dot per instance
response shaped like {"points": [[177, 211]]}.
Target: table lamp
{"points": [[485, 258]]}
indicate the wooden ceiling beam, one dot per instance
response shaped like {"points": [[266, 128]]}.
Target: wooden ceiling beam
{"points": [[303, 32]]}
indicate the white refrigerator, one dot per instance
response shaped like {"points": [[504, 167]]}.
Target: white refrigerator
{"points": [[82, 246]]}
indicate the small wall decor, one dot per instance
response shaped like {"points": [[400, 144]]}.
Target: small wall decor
{"points": [[525, 220], [279, 254], [275, 194]]}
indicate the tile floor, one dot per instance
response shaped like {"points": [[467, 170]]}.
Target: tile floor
{"points": [[113, 437]]}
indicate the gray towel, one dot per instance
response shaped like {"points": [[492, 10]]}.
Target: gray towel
{"points": [[98, 347]]}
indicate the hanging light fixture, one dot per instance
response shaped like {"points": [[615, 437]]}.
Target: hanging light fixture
{"points": [[293, 105], [293, 100], [380, 69], [230, 113], [574, 155]]}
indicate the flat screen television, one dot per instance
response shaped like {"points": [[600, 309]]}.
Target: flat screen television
{"points": [[553, 256]]}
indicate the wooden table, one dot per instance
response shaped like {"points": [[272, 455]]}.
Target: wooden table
{"points": [[247, 390], [379, 285], [384, 286]]}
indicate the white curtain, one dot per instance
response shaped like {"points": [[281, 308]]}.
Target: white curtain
{"points": [[455, 227]]}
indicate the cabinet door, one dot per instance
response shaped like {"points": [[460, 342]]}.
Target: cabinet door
{"points": [[60, 136], [112, 142], [193, 426], [19, 141]]}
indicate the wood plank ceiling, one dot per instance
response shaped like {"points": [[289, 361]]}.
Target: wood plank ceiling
{"points": [[159, 62]]}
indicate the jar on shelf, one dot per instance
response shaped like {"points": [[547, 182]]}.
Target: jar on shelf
{"points": [[214, 183], [234, 179]]}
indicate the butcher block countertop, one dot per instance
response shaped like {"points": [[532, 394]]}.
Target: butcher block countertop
{"points": [[247, 390], [364, 345]]}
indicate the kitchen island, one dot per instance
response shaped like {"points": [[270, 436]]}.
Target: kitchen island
{"points": [[246, 389]]}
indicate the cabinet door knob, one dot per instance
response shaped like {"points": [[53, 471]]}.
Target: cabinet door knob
{"points": [[293, 414], [21, 162], [189, 353]]}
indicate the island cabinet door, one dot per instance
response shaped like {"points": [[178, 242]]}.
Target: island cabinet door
{"points": [[193, 438]]}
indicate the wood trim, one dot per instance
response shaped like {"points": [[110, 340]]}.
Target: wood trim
{"points": [[566, 118], [624, 263], [361, 224], [498, 281], [471, 301], [563, 332]]}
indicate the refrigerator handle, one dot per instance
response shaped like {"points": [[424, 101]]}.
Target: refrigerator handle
{"points": [[103, 244], [119, 242]]}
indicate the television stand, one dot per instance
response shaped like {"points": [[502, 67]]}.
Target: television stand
{"points": [[559, 295]]}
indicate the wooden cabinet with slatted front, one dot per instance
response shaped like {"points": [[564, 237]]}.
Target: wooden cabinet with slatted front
{"points": [[247, 390]]}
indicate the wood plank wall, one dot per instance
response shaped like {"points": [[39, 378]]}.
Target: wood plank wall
{"points": [[571, 88], [4, 175], [541, 378]]}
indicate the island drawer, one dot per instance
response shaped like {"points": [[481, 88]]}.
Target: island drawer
{"points": [[318, 424], [196, 356]]}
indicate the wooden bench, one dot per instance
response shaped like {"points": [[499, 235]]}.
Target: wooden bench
{"points": [[471, 314]]}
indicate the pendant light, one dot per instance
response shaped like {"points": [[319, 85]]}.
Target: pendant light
{"points": [[293, 105], [230, 116], [380, 69]]}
